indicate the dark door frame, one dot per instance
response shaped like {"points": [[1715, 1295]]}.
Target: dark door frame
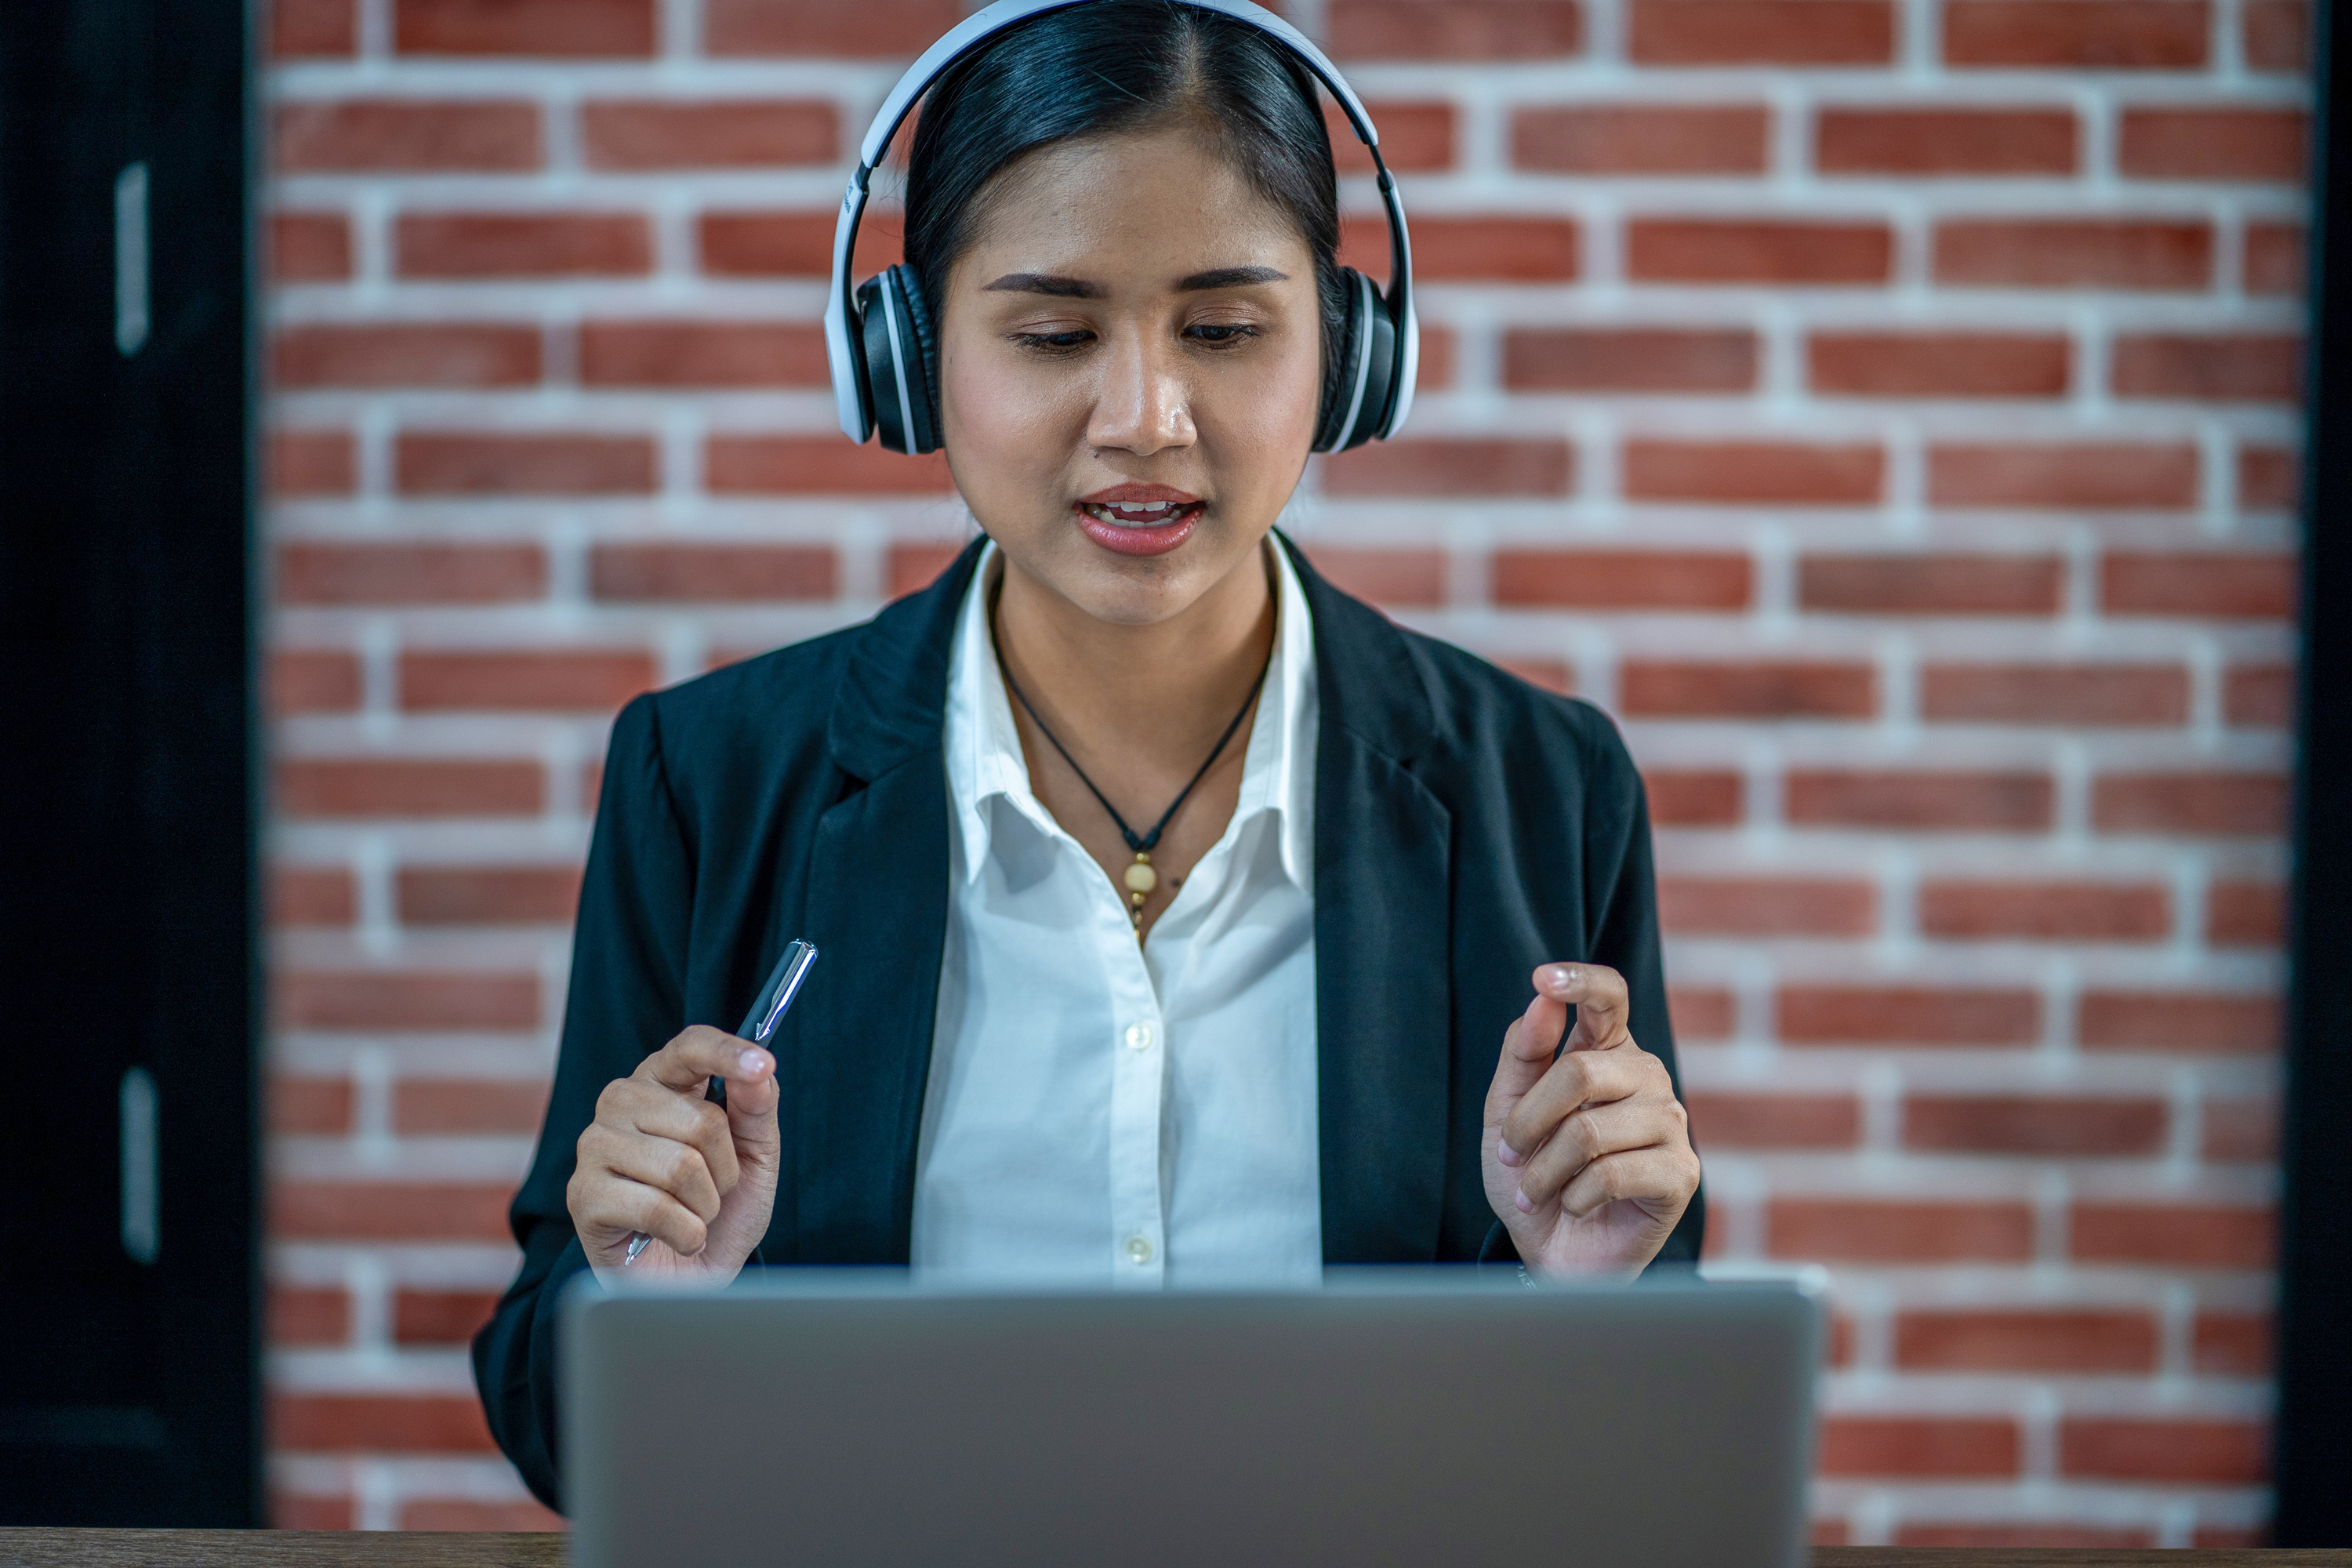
{"points": [[2312, 1445], [130, 1392]]}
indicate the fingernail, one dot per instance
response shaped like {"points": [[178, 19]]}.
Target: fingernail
{"points": [[1520, 1199], [1559, 977], [1506, 1154], [752, 1062]]}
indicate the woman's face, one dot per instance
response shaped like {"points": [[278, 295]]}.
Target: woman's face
{"points": [[1130, 366]]}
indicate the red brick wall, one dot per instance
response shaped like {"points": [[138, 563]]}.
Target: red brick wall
{"points": [[1885, 407]]}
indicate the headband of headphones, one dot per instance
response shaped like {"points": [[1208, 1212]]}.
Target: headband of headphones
{"points": [[840, 308]]}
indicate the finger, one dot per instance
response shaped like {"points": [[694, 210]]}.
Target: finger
{"points": [[1578, 1080], [702, 1052], [617, 1207], [1661, 1178], [1594, 1132], [663, 1163], [683, 1119], [653, 1212], [1598, 993], [1528, 1046], [751, 1113]]}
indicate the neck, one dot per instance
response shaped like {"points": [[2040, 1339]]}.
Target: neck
{"points": [[1163, 691]]}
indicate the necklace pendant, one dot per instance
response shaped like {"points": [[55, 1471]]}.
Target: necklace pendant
{"points": [[1140, 878]]}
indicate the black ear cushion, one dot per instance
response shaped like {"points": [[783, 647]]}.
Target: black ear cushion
{"points": [[1356, 405], [877, 367], [927, 359], [895, 330], [1339, 389], [1380, 378]]}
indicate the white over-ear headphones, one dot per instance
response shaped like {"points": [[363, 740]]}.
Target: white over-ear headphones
{"points": [[879, 339]]}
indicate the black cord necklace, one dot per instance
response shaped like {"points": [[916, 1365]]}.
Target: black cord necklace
{"points": [[1140, 878]]}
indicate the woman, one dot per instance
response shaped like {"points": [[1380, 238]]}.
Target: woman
{"points": [[1172, 901]]}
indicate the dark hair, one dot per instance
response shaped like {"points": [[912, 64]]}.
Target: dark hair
{"points": [[1122, 66]]}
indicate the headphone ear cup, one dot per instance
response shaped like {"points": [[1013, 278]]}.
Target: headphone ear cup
{"points": [[878, 368], [894, 329], [1356, 405], [1339, 389], [923, 370], [1380, 372]]}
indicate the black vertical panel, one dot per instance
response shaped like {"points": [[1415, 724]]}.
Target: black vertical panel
{"points": [[2312, 1456], [128, 1388]]}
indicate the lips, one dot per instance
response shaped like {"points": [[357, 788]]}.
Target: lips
{"points": [[1137, 519]]}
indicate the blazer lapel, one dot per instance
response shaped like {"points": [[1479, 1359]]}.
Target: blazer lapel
{"points": [[1383, 1001], [877, 912], [876, 909]]}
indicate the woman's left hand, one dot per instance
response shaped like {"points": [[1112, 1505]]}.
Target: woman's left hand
{"points": [[1587, 1159]]}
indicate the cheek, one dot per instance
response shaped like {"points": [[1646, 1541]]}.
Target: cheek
{"points": [[1002, 425], [973, 403], [1268, 411]]}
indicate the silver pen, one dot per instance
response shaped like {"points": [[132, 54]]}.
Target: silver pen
{"points": [[758, 1025]]}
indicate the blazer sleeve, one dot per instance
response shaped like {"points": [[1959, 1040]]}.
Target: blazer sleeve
{"points": [[624, 1001]]}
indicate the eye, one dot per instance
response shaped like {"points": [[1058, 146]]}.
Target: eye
{"points": [[1052, 342], [1220, 334]]}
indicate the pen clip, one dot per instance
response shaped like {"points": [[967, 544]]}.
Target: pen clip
{"points": [[795, 968]]}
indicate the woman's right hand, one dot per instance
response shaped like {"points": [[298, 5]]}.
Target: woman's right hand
{"points": [[698, 1178]]}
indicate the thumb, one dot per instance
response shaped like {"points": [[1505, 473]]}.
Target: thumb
{"points": [[751, 1098], [749, 1206], [1528, 1046]]}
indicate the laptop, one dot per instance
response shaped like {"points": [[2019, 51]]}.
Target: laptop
{"points": [[841, 1417]]}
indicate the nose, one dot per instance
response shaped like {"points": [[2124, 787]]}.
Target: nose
{"points": [[1143, 402]]}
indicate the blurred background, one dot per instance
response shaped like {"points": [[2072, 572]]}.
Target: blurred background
{"points": [[1887, 409]]}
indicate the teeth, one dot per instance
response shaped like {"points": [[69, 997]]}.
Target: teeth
{"points": [[1136, 512]]}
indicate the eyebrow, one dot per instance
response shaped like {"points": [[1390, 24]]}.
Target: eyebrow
{"points": [[1230, 277], [1045, 283], [1079, 289]]}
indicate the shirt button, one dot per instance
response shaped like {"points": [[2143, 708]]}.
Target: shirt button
{"points": [[1139, 1250], [1139, 1037]]}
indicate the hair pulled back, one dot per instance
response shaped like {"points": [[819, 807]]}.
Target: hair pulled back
{"points": [[1122, 66]]}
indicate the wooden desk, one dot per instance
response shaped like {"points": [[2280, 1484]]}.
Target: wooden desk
{"points": [[362, 1549]]}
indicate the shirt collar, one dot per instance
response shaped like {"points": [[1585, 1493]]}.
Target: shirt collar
{"points": [[982, 746]]}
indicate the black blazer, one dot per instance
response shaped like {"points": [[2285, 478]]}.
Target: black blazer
{"points": [[1467, 827]]}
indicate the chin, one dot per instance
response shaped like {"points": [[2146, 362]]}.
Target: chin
{"points": [[1132, 592]]}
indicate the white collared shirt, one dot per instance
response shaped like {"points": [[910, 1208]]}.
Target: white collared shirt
{"points": [[1101, 1113]]}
